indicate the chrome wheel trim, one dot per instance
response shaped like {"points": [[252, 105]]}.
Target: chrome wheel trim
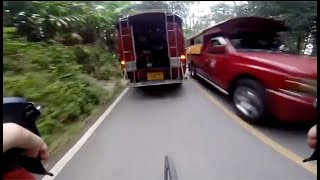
{"points": [[248, 102]]}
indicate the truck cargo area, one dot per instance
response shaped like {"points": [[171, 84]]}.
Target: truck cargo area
{"points": [[150, 45], [150, 41]]}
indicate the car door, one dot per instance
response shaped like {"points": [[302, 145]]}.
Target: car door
{"points": [[198, 57], [202, 63], [215, 61]]}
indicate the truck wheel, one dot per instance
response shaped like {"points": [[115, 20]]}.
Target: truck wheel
{"points": [[193, 71], [248, 98]]}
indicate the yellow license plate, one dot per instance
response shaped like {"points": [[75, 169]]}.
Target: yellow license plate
{"points": [[155, 76]]}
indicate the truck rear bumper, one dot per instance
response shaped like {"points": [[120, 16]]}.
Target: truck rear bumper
{"points": [[153, 83]]}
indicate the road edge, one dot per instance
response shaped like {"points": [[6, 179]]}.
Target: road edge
{"points": [[75, 148]]}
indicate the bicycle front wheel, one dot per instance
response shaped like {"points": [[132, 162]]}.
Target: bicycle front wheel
{"points": [[170, 172]]}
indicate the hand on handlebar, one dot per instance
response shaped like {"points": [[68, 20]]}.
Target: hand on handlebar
{"points": [[312, 137], [15, 136], [312, 142]]}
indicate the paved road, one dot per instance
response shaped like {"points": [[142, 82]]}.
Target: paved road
{"points": [[292, 136], [130, 144]]}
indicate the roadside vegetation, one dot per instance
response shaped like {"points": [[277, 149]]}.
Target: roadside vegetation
{"points": [[56, 56]]}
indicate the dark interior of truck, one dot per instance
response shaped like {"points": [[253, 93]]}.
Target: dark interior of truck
{"points": [[150, 42], [256, 41]]}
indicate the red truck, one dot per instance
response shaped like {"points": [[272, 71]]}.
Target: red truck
{"points": [[246, 59], [151, 48]]}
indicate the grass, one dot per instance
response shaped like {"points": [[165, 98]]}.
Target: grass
{"points": [[58, 77], [60, 138]]}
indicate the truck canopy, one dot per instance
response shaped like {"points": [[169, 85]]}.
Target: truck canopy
{"points": [[240, 25], [150, 17]]}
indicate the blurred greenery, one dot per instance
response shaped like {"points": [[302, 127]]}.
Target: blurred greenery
{"points": [[68, 22], [300, 16], [54, 75], [55, 53]]}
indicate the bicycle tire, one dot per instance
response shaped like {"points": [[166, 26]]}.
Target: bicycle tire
{"points": [[170, 172]]}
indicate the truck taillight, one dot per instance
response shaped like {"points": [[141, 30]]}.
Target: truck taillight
{"points": [[123, 64], [183, 58]]}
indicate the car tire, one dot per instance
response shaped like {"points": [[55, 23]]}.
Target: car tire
{"points": [[248, 98], [193, 71]]}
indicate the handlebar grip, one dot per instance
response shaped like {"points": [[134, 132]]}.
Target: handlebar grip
{"points": [[314, 156], [33, 165], [24, 113], [10, 160], [14, 159]]}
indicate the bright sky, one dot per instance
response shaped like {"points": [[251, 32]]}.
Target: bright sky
{"points": [[203, 7]]}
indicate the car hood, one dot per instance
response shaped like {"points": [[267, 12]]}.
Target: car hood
{"points": [[293, 63]]}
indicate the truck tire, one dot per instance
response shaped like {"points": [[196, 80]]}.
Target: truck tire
{"points": [[248, 98], [193, 71], [170, 172]]}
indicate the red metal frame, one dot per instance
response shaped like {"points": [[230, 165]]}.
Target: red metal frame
{"points": [[175, 41], [20, 174]]}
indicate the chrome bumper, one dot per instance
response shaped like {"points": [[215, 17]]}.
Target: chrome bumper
{"points": [[153, 83]]}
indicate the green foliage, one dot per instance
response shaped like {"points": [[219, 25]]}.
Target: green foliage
{"points": [[221, 12], [147, 5], [300, 16], [180, 8], [45, 62], [94, 60], [41, 21], [54, 75]]}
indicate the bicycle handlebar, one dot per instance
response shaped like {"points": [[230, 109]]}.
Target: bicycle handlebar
{"points": [[313, 156], [24, 113]]}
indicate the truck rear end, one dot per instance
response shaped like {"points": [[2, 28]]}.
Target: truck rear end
{"points": [[151, 49]]}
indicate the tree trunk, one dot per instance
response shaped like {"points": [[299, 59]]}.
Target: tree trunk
{"points": [[314, 49], [298, 44]]}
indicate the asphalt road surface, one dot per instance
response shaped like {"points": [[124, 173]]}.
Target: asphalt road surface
{"points": [[146, 125]]}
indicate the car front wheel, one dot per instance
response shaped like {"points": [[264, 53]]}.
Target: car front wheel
{"points": [[249, 100]]}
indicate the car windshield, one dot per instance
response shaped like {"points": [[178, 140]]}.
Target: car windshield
{"points": [[259, 42]]}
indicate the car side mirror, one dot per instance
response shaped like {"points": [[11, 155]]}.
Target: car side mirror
{"points": [[219, 49]]}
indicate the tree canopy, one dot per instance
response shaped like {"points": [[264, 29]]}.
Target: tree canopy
{"points": [[300, 16], [89, 21]]}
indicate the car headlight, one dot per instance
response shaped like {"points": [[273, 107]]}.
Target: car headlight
{"points": [[300, 87]]}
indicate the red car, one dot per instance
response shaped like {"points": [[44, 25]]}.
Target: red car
{"points": [[245, 58]]}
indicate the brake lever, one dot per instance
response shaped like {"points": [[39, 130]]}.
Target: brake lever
{"points": [[24, 113]]}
